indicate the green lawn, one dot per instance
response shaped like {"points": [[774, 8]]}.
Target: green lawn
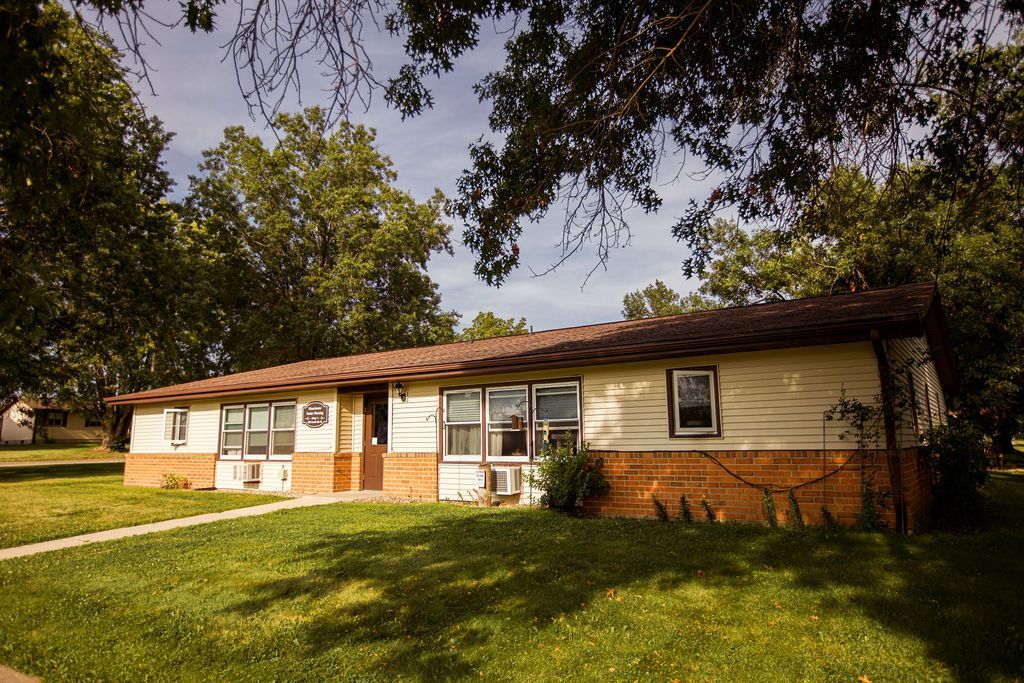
{"points": [[40, 503], [54, 451], [432, 591]]}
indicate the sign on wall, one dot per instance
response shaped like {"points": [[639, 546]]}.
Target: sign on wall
{"points": [[315, 414]]}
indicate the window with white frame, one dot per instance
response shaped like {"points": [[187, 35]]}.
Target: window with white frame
{"points": [[176, 425], [256, 431], [507, 417], [282, 432], [693, 402], [462, 414], [232, 432], [556, 410]]}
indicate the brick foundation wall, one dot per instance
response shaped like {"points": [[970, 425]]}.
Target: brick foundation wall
{"points": [[634, 477], [326, 472], [348, 472], [917, 484], [148, 469], [410, 475]]}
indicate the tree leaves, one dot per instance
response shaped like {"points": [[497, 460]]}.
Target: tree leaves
{"points": [[309, 250]]}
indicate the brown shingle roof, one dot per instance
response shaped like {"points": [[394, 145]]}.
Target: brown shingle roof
{"points": [[893, 312]]}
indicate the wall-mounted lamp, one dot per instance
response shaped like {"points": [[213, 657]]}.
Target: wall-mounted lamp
{"points": [[400, 390]]}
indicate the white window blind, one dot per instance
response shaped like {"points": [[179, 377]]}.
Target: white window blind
{"points": [[557, 409], [462, 424]]}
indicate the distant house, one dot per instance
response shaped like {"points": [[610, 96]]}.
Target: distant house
{"points": [[711, 405], [29, 422]]}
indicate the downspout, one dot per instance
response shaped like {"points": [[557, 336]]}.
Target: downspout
{"points": [[892, 452]]}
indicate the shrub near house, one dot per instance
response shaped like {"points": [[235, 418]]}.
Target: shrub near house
{"points": [[716, 406]]}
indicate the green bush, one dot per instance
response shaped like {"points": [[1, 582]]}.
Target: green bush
{"points": [[660, 510], [175, 481], [769, 509], [684, 510], [567, 475], [709, 512], [796, 518], [956, 454]]}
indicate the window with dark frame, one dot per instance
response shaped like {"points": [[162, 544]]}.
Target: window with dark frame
{"points": [[56, 418], [913, 403], [693, 402], [507, 415], [514, 416], [257, 431], [557, 407], [91, 421]]}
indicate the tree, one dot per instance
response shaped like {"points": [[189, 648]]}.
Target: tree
{"points": [[659, 299], [594, 96], [308, 248], [487, 325], [861, 236], [88, 245]]}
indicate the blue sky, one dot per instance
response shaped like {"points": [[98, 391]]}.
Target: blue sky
{"points": [[197, 96]]}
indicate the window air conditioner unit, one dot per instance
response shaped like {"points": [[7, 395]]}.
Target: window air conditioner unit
{"points": [[508, 481], [248, 473]]}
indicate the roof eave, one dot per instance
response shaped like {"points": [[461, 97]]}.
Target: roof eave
{"points": [[907, 325]]}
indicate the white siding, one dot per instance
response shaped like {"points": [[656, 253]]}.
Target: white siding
{"points": [[414, 421], [769, 400], [13, 430], [276, 476], [457, 481], [204, 424], [322, 439], [357, 423], [914, 356], [345, 417]]}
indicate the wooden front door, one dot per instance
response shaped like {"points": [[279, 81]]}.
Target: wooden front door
{"points": [[375, 441]]}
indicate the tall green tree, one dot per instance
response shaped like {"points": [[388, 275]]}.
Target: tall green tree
{"points": [[593, 97], [309, 248], [864, 237], [486, 325], [657, 299], [91, 269]]}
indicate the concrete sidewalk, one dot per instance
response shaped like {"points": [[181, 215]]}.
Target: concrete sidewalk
{"points": [[49, 463], [125, 532]]}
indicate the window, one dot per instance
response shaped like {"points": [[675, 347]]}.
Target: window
{"points": [[232, 432], [91, 421], [507, 413], [176, 425], [557, 415], [257, 426], [258, 430], [913, 402], [928, 407], [56, 418], [693, 402], [509, 423], [462, 424], [282, 436]]}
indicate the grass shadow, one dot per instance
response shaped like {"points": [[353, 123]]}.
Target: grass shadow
{"points": [[466, 574], [37, 472]]}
